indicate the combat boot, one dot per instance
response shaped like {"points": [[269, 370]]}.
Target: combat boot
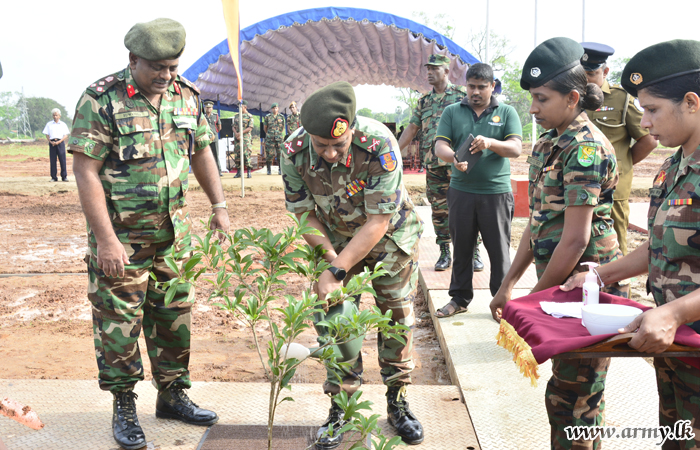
{"points": [[238, 174], [125, 425], [269, 169], [478, 263], [335, 417], [249, 174], [173, 403], [445, 260], [406, 424]]}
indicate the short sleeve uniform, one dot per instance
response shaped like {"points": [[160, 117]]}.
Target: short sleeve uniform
{"points": [[369, 181], [145, 153], [574, 169]]}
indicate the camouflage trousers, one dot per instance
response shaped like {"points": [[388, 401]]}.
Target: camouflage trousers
{"points": [[246, 155], [122, 306], [437, 182], [272, 150], [620, 214], [395, 293], [679, 398]]}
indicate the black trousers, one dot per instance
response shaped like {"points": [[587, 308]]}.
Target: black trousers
{"points": [[214, 146], [58, 152], [469, 214]]}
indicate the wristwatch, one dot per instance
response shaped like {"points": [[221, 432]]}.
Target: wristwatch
{"points": [[339, 274]]}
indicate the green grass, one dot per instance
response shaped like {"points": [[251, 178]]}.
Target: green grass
{"points": [[24, 151]]}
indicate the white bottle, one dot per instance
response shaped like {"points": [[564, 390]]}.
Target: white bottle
{"points": [[591, 290]]}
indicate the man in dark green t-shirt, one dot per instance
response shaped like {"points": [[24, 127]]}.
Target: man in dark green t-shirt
{"points": [[481, 200]]}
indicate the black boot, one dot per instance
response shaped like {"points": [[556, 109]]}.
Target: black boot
{"points": [[445, 260], [478, 264], [335, 417], [238, 174], [125, 425], [269, 169], [249, 174], [173, 403], [406, 424]]}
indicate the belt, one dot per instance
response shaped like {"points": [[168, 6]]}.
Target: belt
{"points": [[54, 140]]}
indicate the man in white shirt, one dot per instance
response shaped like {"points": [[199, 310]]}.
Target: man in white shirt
{"points": [[57, 132]]}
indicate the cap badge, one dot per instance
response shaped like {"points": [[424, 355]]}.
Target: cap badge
{"points": [[535, 72], [584, 57], [339, 127], [636, 78]]}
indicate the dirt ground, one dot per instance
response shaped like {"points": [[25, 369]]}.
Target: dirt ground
{"points": [[45, 320]]}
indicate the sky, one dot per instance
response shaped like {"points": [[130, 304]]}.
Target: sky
{"points": [[56, 49]]}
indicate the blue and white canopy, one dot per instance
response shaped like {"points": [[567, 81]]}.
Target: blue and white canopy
{"points": [[288, 57]]}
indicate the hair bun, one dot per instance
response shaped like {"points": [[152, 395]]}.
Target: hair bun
{"points": [[593, 98]]}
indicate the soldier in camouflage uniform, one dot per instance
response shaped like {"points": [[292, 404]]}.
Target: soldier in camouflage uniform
{"points": [[215, 126], [247, 139], [346, 172], [294, 119], [665, 79], [135, 134], [573, 173], [425, 119], [274, 137]]}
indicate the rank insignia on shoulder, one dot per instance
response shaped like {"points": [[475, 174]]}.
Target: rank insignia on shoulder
{"points": [[289, 147], [375, 145], [388, 161], [363, 139], [130, 91], [355, 187], [680, 202], [586, 154], [660, 178]]}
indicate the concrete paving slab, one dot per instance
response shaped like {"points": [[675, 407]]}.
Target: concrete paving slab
{"points": [[507, 412], [77, 414]]}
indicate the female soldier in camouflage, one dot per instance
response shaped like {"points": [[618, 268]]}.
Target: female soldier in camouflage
{"points": [[666, 79], [573, 173]]}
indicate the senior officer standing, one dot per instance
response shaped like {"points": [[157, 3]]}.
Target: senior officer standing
{"points": [[346, 172], [135, 134], [619, 119], [274, 136], [425, 118], [294, 119]]}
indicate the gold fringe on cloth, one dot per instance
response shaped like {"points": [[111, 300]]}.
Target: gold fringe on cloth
{"points": [[509, 339]]}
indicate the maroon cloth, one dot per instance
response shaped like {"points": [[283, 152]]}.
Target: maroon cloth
{"points": [[549, 336]]}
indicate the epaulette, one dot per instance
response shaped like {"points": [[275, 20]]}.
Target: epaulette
{"points": [[370, 143], [187, 83], [298, 141], [101, 86]]}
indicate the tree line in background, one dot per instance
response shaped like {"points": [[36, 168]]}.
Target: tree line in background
{"points": [[38, 114]]}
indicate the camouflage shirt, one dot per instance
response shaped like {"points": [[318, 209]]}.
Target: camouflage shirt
{"points": [[674, 230], [293, 122], [574, 169], [145, 153], [369, 181], [426, 116], [247, 123], [275, 127], [214, 123]]}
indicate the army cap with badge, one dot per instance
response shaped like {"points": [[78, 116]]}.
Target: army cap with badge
{"points": [[157, 40], [208, 104], [595, 55], [549, 59], [438, 60], [661, 62], [330, 111]]}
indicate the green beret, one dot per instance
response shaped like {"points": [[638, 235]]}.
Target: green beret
{"points": [[274, 105], [329, 111], [438, 60], [208, 103], [156, 40], [661, 62], [244, 102], [548, 60]]}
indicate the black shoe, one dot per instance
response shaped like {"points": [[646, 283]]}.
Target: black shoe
{"points": [[125, 425], [445, 260], [238, 174], [335, 417], [478, 264], [173, 403], [406, 424]]}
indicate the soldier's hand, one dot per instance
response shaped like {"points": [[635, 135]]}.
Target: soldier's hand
{"points": [[498, 303], [575, 281], [462, 166], [480, 143], [220, 222], [327, 283], [656, 329], [112, 257]]}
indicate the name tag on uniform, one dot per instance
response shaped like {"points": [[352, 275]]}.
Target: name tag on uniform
{"points": [[535, 162], [680, 202], [655, 192]]}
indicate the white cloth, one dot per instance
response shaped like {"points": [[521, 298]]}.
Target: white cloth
{"points": [[559, 310], [56, 130]]}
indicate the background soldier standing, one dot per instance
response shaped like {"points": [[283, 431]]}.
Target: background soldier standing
{"points": [[215, 126], [274, 136], [294, 119], [135, 134], [619, 119], [247, 140], [425, 119]]}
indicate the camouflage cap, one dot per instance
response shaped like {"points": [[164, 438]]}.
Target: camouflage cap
{"points": [[156, 40], [208, 103], [274, 105], [661, 62], [329, 111], [438, 60], [244, 102], [548, 60], [595, 55]]}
